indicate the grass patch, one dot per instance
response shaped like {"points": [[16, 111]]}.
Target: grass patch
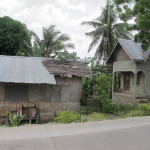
{"points": [[135, 113], [67, 117], [115, 111], [97, 117], [86, 110]]}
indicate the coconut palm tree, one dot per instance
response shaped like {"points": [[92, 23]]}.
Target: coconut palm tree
{"points": [[30, 50], [106, 31], [53, 41]]}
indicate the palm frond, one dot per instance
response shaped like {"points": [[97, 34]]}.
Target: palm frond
{"points": [[35, 36], [98, 32], [101, 49], [93, 43], [106, 31], [93, 23], [121, 30]]}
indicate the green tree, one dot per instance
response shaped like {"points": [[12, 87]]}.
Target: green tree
{"points": [[12, 35], [106, 31], [139, 10], [53, 42], [66, 55], [102, 84], [30, 50]]}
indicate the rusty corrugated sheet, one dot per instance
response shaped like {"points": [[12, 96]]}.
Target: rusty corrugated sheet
{"points": [[18, 69]]}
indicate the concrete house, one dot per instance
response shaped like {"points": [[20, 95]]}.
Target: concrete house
{"points": [[131, 73], [51, 84]]}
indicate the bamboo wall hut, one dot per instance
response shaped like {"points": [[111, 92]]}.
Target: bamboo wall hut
{"points": [[50, 84]]}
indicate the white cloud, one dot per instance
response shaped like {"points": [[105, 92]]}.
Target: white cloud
{"points": [[10, 4], [67, 15], [66, 3]]}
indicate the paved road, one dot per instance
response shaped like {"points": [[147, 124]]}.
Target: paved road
{"points": [[122, 134]]}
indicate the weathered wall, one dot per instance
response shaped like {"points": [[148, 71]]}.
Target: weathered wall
{"points": [[2, 92], [121, 55], [41, 92], [131, 83], [148, 59], [40, 95], [46, 109], [143, 88], [124, 66], [122, 98], [142, 85], [147, 80], [75, 86], [38, 92]]}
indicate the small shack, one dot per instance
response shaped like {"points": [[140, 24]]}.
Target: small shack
{"points": [[131, 73], [50, 84]]}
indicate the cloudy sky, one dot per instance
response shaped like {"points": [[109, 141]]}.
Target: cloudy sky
{"points": [[67, 15]]}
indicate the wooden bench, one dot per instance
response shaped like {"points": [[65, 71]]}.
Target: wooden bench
{"points": [[31, 113]]}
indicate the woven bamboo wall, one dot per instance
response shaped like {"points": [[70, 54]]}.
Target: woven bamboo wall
{"points": [[44, 107], [49, 100]]}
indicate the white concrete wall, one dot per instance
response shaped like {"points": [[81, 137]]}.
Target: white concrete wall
{"points": [[124, 66], [142, 90]]}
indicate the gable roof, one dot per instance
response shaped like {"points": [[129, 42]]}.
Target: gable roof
{"points": [[134, 50], [67, 68], [17, 69]]}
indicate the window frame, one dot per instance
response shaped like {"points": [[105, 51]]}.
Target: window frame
{"points": [[6, 92]]}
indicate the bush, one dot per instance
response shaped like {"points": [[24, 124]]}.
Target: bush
{"points": [[120, 114], [97, 116], [134, 113], [102, 84], [115, 108], [67, 117], [145, 108], [86, 110]]}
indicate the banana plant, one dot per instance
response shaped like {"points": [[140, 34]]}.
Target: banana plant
{"points": [[15, 119]]}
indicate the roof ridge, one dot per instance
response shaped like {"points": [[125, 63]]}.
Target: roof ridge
{"points": [[129, 40], [42, 58]]}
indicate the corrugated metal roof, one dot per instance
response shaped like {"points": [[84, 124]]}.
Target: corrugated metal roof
{"points": [[133, 49], [146, 54], [19, 69]]}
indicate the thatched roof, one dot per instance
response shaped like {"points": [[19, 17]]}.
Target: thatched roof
{"points": [[67, 68]]}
